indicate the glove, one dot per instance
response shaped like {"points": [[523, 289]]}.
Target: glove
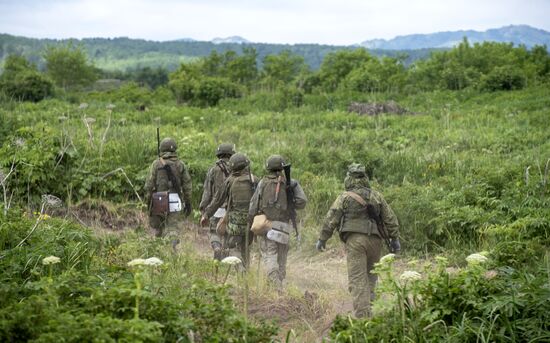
{"points": [[321, 245], [187, 210], [204, 221], [395, 245]]}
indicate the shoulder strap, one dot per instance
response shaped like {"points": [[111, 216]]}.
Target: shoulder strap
{"points": [[223, 168], [357, 198]]}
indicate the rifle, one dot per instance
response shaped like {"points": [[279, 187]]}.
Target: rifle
{"points": [[290, 200], [158, 142], [371, 211]]}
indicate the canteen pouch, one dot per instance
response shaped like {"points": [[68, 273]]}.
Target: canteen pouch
{"points": [[174, 203], [160, 204], [278, 236], [261, 225]]}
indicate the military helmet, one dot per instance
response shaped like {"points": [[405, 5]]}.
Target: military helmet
{"points": [[238, 162], [357, 170], [168, 145], [274, 163], [225, 149]]}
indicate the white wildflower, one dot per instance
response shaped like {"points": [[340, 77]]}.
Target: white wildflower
{"points": [[50, 260], [410, 275], [232, 260], [136, 262], [476, 259], [83, 106], [389, 258], [20, 142], [89, 120], [62, 118], [51, 200], [153, 261], [110, 106]]}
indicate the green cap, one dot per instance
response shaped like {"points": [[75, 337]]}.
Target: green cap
{"points": [[356, 170]]}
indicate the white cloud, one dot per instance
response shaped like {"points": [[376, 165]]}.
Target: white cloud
{"points": [[282, 21]]}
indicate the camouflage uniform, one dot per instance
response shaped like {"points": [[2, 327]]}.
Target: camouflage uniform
{"points": [[236, 192], [158, 181], [275, 208], [215, 178], [360, 234]]}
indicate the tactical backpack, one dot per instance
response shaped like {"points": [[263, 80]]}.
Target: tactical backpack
{"points": [[241, 192], [273, 202]]}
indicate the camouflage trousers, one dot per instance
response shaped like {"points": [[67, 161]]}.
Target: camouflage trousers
{"points": [[216, 240], [236, 246], [274, 258], [170, 225], [363, 251]]}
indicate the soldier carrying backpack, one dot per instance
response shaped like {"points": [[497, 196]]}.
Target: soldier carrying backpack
{"points": [[236, 192]]}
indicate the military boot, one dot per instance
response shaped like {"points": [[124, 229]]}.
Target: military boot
{"points": [[218, 251], [175, 243]]}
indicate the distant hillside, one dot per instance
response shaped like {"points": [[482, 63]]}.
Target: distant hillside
{"points": [[125, 53], [517, 34], [232, 39]]}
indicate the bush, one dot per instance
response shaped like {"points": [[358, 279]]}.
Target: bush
{"points": [[503, 78]]}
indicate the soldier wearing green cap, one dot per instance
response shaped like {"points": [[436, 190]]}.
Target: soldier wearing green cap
{"points": [[168, 192], [215, 178], [359, 232]]}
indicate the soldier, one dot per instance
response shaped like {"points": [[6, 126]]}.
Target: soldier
{"points": [[270, 199], [214, 180], [168, 192], [360, 234], [236, 192]]}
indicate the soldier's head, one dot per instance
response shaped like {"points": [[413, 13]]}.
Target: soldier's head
{"points": [[274, 163], [168, 145], [356, 177], [225, 150], [238, 162]]}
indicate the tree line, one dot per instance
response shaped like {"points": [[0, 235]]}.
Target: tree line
{"points": [[487, 66]]}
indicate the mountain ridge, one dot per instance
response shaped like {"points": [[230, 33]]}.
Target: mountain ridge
{"points": [[516, 34]]}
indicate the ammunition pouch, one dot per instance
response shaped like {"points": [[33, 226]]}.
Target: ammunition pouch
{"points": [[160, 204]]}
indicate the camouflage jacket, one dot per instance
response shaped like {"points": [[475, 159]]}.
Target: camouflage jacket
{"points": [[235, 192], [275, 207], [215, 178], [348, 215], [158, 180]]}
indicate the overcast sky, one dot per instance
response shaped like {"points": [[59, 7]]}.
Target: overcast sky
{"points": [[340, 22]]}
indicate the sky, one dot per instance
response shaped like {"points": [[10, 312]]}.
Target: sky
{"points": [[336, 22]]}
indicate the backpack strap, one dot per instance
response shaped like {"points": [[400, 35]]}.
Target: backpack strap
{"points": [[223, 167], [357, 198]]}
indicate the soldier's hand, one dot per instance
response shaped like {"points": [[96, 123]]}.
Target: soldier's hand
{"points": [[204, 221], [395, 245], [320, 245]]}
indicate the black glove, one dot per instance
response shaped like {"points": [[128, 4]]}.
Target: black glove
{"points": [[321, 245], [395, 245], [187, 209]]}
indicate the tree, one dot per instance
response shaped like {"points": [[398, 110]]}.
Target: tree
{"points": [[22, 81], [68, 66], [281, 69]]}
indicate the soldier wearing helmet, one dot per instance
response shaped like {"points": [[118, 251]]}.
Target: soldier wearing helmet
{"points": [[215, 178], [355, 215], [168, 192], [235, 193], [270, 199]]}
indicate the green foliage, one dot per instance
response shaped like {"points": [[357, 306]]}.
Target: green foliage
{"points": [[90, 295], [21, 80], [68, 66], [465, 305]]}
